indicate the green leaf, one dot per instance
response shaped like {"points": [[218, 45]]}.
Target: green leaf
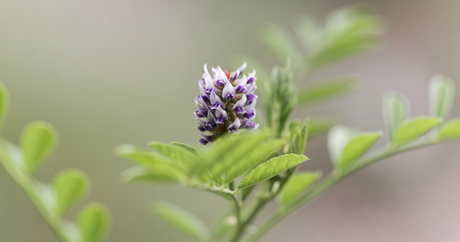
{"points": [[299, 139], [174, 152], [70, 186], [253, 159], [38, 140], [296, 185], [450, 130], [414, 128], [94, 222], [230, 151], [326, 90], [441, 92], [279, 43], [348, 31], [4, 102], [139, 173], [337, 139], [358, 146], [182, 220], [396, 109], [185, 147], [271, 168], [140, 156], [158, 164], [318, 126]]}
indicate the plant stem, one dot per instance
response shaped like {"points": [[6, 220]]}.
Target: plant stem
{"points": [[333, 179], [28, 186]]}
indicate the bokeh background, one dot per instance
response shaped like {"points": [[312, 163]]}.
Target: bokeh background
{"points": [[111, 72]]}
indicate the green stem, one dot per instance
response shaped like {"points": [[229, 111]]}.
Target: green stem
{"points": [[333, 179], [27, 185]]}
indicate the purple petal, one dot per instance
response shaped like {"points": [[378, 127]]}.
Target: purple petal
{"points": [[220, 120], [229, 91], [251, 125], [201, 128], [242, 67], [220, 75], [204, 142], [250, 114], [240, 103], [234, 75], [220, 113], [211, 125], [235, 125], [251, 88], [215, 100], [252, 77], [207, 137], [220, 83], [251, 97]]}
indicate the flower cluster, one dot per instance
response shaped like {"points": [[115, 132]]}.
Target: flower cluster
{"points": [[226, 102]]}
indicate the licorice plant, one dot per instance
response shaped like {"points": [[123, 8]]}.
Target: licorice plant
{"points": [[246, 154]]}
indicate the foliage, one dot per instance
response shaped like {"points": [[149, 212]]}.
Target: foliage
{"points": [[53, 200]]}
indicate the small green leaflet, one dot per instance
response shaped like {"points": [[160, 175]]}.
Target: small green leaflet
{"points": [[38, 140], [358, 146], [139, 173], [182, 220], [337, 139], [441, 93], [139, 156], [253, 159], [296, 185], [4, 102], [414, 128], [396, 109], [93, 222], [174, 152], [164, 168], [326, 90], [450, 130], [185, 147], [271, 168], [70, 186]]}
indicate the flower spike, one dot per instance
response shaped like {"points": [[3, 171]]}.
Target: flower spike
{"points": [[226, 102]]}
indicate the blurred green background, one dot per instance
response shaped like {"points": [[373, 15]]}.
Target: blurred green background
{"points": [[111, 72]]}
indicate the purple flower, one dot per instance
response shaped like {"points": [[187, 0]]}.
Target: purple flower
{"points": [[226, 102]]}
